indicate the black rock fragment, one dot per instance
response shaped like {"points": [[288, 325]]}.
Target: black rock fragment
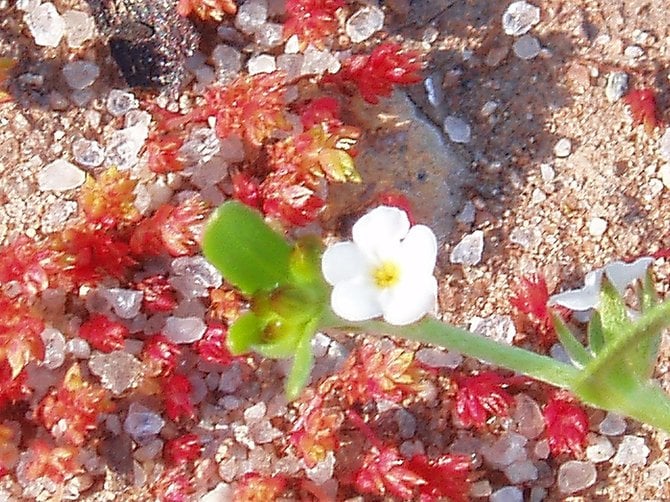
{"points": [[148, 40]]}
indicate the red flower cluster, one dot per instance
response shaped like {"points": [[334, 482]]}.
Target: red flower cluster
{"points": [[311, 20], [255, 487], [58, 463], [530, 298], [251, 107], [159, 296], [643, 108], [174, 485], [160, 355], [174, 230], [183, 449], [385, 472], [212, 346], [481, 396], [315, 432], [370, 374], [178, 403], [104, 334], [73, 408], [567, 425], [377, 73], [108, 201]]}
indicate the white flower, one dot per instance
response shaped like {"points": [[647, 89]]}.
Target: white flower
{"points": [[387, 270], [620, 275]]}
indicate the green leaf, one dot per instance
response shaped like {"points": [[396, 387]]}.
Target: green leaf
{"points": [[302, 367], [575, 350], [246, 332], [613, 312], [247, 252], [595, 333]]}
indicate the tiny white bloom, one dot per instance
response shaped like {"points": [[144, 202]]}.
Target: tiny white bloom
{"points": [[387, 270], [619, 273]]}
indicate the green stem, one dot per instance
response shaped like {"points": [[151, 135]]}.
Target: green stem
{"points": [[460, 340]]}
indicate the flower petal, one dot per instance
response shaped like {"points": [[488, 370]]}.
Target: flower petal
{"points": [[418, 251], [343, 261], [410, 300], [355, 300], [624, 274], [381, 228], [585, 298]]}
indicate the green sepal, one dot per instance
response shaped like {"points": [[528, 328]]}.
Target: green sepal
{"points": [[595, 334], [245, 333], [247, 252], [613, 313], [575, 350], [302, 367], [280, 339]]}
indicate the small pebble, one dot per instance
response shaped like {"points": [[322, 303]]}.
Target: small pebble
{"points": [[597, 227], [488, 108], [499, 327], [80, 74], [664, 174], [563, 148], [600, 449], [60, 175], [547, 172], [521, 471], [88, 153], [364, 23], [118, 371], [612, 425], [251, 16], [142, 422], [658, 474], [121, 102], [664, 145], [574, 476], [528, 416], [617, 86], [507, 494], [184, 329], [270, 35], [633, 52], [263, 63], [469, 250], [45, 25], [632, 451], [526, 47], [54, 348], [437, 358], [318, 62], [519, 18], [79, 27], [457, 129]]}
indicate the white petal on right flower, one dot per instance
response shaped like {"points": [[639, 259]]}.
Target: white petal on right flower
{"points": [[624, 274], [380, 229], [343, 261], [355, 300], [585, 298]]}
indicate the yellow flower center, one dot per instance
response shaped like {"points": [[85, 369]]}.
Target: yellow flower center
{"points": [[386, 275]]}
